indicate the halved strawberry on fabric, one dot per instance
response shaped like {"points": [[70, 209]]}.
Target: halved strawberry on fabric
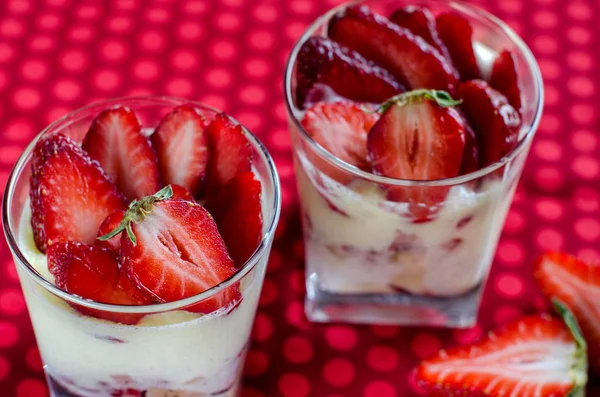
{"points": [[230, 153], [535, 356], [341, 128], [505, 80], [181, 144], [457, 35], [70, 194], [323, 61], [172, 249], [495, 121], [577, 283], [412, 60], [421, 22], [93, 273], [420, 136], [116, 142], [238, 213]]}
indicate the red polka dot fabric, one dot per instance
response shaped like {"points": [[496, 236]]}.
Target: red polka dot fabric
{"points": [[57, 55]]}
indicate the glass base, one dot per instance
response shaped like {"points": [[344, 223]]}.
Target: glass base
{"points": [[58, 389], [392, 309]]}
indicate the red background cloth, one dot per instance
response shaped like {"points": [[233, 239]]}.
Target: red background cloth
{"points": [[57, 55]]}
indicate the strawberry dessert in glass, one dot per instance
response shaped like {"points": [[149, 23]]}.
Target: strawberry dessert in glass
{"points": [[141, 229], [410, 123]]}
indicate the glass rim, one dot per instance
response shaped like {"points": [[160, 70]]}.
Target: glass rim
{"points": [[156, 307], [468, 10]]}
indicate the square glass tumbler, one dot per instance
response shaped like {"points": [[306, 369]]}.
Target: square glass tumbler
{"points": [[367, 261], [170, 351]]}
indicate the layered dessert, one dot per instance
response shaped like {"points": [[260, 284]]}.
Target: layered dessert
{"points": [[127, 224], [404, 133]]}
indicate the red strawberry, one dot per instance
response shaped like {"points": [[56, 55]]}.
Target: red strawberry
{"points": [[116, 141], [70, 194], [321, 60], [504, 78], [341, 128], [420, 22], [238, 214], [181, 193], [231, 153], [495, 122], [577, 283], [536, 356], [419, 137], [470, 161], [110, 223], [181, 143], [93, 273], [408, 57], [457, 35], [172, 250]]}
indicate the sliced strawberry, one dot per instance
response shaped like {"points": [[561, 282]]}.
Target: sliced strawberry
{"points": [[322, 60], [577, 283], [341, 128], [536, 356], [116, 141], [504, 78], [238, 213], [181, 193], [231, 153], [173, 251], [110, 223], [470, 161], [421, 22], [457, 35], [409, 58], [181, 143], [70, 194], [495, 121], [418, 137], [93, 273]]}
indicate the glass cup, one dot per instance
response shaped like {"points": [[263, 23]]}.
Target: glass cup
{"points": [[170, 352], [367, 260]]}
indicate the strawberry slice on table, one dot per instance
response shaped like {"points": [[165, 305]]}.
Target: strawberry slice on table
{"points": [[108, 225], [412, 60], [577, 283], [93, 273], [419, 136], [324, 61], [421, 22], [504, 78], [116, 141], [70, 194], [536, 356], [495, 121], [341, 128], [181, 144], [457, 35], [238, 214], [171, 250], [231, 153]]}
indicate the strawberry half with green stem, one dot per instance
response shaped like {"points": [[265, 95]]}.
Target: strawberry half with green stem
{"points": [[93, 273], [577, 283], [171, 249], [412, 60], [536, 356], [421, 22], [181, 144], [420, 136], [505, 80], [457, 35], [238, 213], [70, 194], [115, 140], [495, 121], [321, 60]]}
